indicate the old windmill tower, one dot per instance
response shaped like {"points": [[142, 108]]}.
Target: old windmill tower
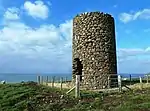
{"points": [[94, 48]]}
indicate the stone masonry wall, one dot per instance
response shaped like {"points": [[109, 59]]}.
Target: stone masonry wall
{"points": [[94, 44]]}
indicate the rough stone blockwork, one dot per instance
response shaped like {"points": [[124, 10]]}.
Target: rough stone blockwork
{"points": [[95, 47]]}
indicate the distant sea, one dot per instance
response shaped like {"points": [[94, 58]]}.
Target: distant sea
{"points": [[13, 78]]}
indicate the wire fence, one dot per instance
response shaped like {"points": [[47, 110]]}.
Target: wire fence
{"points": [[65, 81]]}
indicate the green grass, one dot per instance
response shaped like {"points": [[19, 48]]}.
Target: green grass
{"points": [[32, 97], [20, 97]]}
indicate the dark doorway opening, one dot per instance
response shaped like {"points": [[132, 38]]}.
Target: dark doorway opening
{"points": [[77, 67]]}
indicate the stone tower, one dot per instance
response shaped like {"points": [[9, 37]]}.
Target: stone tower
{"points": [[94, 48]]}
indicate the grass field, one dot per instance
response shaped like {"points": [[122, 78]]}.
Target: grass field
{"points": [[32, 97]]}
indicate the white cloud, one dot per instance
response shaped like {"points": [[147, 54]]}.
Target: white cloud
{"points": [[141, 14], [37, 9], [125, 17], [133, 60], [46, 43], [19, 37], [12, 14], [124, 54]]}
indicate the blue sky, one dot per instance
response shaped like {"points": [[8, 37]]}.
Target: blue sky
{"points": [[36, 36]]}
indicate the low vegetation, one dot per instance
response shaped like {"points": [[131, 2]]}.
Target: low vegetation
{"points": [[33, 97]]}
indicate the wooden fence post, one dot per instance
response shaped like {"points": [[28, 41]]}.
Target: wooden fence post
{"points": [[58, 80], [53, 80], [147, 79], [50, 81], [108, 82], [47, 80], [61, 82], [130, 79], [141, 85], [42, 80], [38, 79], [77, 89], [140, 79], [119, 83], [66, 79], [94, 82]]}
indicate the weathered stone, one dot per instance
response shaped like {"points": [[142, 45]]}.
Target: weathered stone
{"points": [[94, 44]]}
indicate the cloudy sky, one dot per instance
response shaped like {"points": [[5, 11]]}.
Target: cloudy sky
{"points": [[36, 36]]}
